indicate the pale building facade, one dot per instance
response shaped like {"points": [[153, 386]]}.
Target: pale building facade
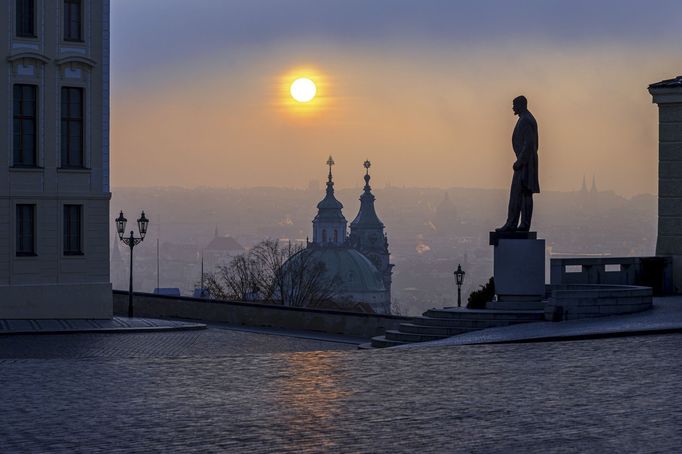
{"points": [[54, 164]]}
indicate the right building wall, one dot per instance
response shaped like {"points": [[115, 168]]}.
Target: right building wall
{"points": [[667, 94]]}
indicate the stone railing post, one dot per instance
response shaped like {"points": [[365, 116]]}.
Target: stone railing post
{"points": [[668, 95]]}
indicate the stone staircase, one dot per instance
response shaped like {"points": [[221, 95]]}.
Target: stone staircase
{"points": [[438, 324]]}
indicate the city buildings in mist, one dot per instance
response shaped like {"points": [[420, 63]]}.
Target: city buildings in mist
{"points": [[430, 230]]}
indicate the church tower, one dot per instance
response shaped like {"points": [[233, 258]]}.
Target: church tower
{"points": [[583, 188], [367, 234], [329, 226]]}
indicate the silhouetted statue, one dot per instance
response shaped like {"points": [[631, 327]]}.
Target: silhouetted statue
{"points": [[525, 180]]}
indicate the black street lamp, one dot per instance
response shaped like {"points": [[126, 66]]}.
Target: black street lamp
{"points": [[459, 279], [131, 242]]}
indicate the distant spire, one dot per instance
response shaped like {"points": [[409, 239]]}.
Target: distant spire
{"points": [[584, 186], [330, 182], [329, 226], [594, 184], [115, 251], [215, 232], [367, 216]]}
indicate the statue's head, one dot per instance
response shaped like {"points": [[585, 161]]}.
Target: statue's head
{"points": [[520, 105]]}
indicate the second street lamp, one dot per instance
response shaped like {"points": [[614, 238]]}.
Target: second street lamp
{"points": [[131, 242], [459, 279]]}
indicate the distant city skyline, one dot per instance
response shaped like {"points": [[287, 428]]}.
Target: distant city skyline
{"points": [[590, 181], [423, 89]]}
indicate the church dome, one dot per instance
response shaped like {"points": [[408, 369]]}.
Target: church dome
{"points": [[349, 269]]}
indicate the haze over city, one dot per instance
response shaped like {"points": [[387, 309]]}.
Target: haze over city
{"points": [[423, 89]]}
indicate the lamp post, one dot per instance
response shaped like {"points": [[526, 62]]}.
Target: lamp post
{"points": [[459, 279], [131, 242]]}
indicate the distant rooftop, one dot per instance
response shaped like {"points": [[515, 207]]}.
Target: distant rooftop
{"points": [[669, 83]]}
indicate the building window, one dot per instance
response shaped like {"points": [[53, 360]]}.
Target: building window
{"points": [[324, 235], [72, 20], [72, 127], [26, 18], [336, 236], [26, 244], [73, 230], [25, 137]]}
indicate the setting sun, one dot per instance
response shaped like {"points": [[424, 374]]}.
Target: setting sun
{"points": [[303, 89]]}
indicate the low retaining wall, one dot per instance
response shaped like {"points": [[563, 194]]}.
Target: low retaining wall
{"points": [[353, 324], [570, 302]]}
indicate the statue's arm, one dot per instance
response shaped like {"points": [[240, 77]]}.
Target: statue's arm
{"points": [[524, 155]]}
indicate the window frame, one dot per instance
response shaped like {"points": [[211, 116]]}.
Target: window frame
{"points": [[67, 122], [67, 21], [19, 23], [19, 160], [68, 248], [19, 226]]}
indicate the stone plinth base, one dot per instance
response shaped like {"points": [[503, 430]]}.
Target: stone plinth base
{"points": [[519, 267], [495, 237]]}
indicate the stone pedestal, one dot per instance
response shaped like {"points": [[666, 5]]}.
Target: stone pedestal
{"points": [[519, 266]]}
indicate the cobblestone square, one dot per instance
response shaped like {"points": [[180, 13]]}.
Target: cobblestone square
{"points": [[228, 391]]}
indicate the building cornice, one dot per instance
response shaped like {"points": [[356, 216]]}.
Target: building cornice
{"points": [[28, 55], [65, 60], [667, 91]]}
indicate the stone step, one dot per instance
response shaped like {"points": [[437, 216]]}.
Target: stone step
{"points": [[465, 324], [400, 336], [516, 305], [485, 314], [382, 342], [439, 324], [429, 329]]}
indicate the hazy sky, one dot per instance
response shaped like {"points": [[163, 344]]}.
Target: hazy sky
{"points": [[423, 88]]}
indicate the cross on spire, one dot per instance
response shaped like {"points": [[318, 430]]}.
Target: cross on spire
{"points": [[330, 163]]}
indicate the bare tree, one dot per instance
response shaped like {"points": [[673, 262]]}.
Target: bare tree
{"points": [[303, 281], [235, 280], [285, 274]]}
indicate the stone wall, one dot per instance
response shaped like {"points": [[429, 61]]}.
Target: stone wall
{"points": [[571, 302], [353, 324]]}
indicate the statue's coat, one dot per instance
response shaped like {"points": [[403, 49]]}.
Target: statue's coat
{"points": [[525, 144]]}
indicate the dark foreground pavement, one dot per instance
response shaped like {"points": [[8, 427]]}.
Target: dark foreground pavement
{"points": [[229, 391]]}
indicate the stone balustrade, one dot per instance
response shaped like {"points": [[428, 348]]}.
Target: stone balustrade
{"points": [[654, 272], [571, 302]]}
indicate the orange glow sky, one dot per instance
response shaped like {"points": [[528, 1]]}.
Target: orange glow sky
{"points": [[427, 112]]}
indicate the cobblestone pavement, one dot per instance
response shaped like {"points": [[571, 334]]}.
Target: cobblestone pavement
{"points": [[116, 324], [204, 343], [210, 392]]}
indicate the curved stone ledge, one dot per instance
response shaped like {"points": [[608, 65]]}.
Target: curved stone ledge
{"points": [[571, 302]]}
